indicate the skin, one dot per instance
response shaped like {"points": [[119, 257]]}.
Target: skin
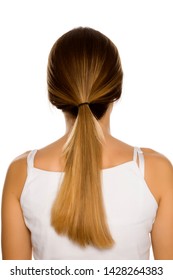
{"points": [[16, 238]]}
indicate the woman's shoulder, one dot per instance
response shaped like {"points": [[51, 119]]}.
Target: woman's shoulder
{"points": [[16, 175], [156, 160], [18, 163], [20, 158], [158, 172]]}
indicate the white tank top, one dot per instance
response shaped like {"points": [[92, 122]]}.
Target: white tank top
{"points": [[130, 208]]}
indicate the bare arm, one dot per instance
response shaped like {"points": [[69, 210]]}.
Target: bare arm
{"points": [[16, 241], [160, 178]]}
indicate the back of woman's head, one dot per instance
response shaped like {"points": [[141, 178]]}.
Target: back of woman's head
{"points": [[83, 66]]}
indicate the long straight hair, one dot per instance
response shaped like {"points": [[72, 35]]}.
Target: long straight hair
{"points": [[83, 66]]}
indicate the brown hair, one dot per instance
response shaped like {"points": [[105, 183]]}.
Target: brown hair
{"points": [[83, 66]]}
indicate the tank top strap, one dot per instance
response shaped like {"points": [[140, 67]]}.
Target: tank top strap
{"points": [[30, 158], [138, 152]]}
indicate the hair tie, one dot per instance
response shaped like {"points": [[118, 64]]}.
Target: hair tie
{"points": [[83, 104]]}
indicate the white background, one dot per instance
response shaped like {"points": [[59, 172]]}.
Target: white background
{"points": [[142, 31]]}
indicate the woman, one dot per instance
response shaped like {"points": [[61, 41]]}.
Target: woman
{"points": [[88, 195]]}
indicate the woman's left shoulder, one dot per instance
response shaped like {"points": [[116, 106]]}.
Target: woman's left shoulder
{"points": [[158, 172], [159, 177], [157, 160]]}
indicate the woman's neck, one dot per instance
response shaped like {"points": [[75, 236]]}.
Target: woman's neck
{"points": [[104, 122]]}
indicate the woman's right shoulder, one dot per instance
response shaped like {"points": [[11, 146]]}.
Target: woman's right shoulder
{"points": [[19, 163], [16, 175]]}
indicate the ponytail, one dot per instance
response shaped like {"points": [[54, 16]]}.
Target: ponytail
{"points": [[78, 210], [83, 67]]}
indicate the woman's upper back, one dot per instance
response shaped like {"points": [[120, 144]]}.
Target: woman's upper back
{"points": [[125, 195], [125, 192], [114, 153]]}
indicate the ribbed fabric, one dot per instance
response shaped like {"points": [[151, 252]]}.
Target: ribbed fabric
{"points": [[130, 208]]}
